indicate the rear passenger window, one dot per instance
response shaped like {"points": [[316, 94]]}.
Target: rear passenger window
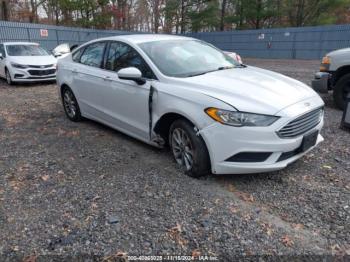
{"points": [[93, 54]]}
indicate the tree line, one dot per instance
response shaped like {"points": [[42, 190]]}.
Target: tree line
{"points": [[177, 16]]}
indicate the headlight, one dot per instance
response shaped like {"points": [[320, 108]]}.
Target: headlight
{"points": [[19, 66], [325, 64], [326, 60], [235, 118]]}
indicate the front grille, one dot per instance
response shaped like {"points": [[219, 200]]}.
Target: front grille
{"points": [[40, 66], [301, 124], [41, 78], [42, 72]]}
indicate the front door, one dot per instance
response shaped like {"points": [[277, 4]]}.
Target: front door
{"points": [[126, 101]]}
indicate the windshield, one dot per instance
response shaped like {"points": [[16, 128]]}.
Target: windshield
{"points": [[26, 50], [185, 58]]}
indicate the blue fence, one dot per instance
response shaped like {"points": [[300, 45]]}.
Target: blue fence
{"points": [[289, 43], [50, 36]]}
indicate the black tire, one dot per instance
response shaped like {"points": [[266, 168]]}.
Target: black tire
{"points": [[8, 77], [200, 157], [341, 90], [70, 105]]}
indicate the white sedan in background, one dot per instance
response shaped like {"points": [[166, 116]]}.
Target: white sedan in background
{"points": [[63, 50], [235, 56], [215, 114], [26, 62]]}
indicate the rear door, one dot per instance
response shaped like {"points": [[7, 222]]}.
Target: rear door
{"points": [[88, 80], [126, 101]]}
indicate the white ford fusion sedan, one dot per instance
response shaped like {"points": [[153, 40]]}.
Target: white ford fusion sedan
{"points": [[215, 114]]}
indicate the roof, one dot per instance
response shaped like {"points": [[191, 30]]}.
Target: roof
{"points": [[19, 43], [142, 38]]}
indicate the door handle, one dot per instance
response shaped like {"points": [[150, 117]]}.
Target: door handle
{"points": [[107, 78], [75, 71]]}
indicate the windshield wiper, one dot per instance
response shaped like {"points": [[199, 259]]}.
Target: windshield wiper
{"points": [[225, 67], [201, 73], [218, 69], [230, 67]]}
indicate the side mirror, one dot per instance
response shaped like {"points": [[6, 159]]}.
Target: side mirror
{"points": [[1, 56], [131, 73]]}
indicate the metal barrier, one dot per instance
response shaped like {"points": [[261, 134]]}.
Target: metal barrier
{"points": [[288, 43], [50, 36]]}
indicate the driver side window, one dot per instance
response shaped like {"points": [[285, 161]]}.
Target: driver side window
{"points": [[121, 55]]}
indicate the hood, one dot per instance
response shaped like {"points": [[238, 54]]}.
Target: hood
{"points": [[251, 89], [339, 52], [33, 60]]}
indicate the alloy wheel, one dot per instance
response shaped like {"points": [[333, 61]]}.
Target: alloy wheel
{"points": [[69, 103], [182, 148]]}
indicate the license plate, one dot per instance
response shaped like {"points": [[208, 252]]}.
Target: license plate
{"points": [[309, 141]]}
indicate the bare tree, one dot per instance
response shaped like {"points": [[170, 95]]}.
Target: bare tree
{"points": [[177, 16], [3, 10], [223, 13]]}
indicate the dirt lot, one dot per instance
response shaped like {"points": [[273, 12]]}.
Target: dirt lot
{"points": [[82, 188]]}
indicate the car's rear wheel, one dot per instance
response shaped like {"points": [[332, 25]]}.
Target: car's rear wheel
{"points": [[341, 91], [70, 105], [8, 77], [189, 149]]}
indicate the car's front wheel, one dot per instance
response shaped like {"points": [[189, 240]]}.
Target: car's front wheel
{"points": [[8, 77], [70, 105], [341, 91], [189, 149]]}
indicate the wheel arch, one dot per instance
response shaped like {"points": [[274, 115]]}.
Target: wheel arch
{"points": [[340, 72], [189, 105], [162, 125], [62, 87]]}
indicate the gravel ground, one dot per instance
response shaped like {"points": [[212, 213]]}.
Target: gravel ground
{"points": [[82, 188]]}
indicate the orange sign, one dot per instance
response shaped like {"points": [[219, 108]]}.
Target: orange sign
{"points": [[44, 33]]}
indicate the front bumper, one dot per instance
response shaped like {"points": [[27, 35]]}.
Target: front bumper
{"points": [[224, 141], [33, 74], [321, 82]]}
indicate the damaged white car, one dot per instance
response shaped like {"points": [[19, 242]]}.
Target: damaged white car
{"points": [[215, 114]]}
